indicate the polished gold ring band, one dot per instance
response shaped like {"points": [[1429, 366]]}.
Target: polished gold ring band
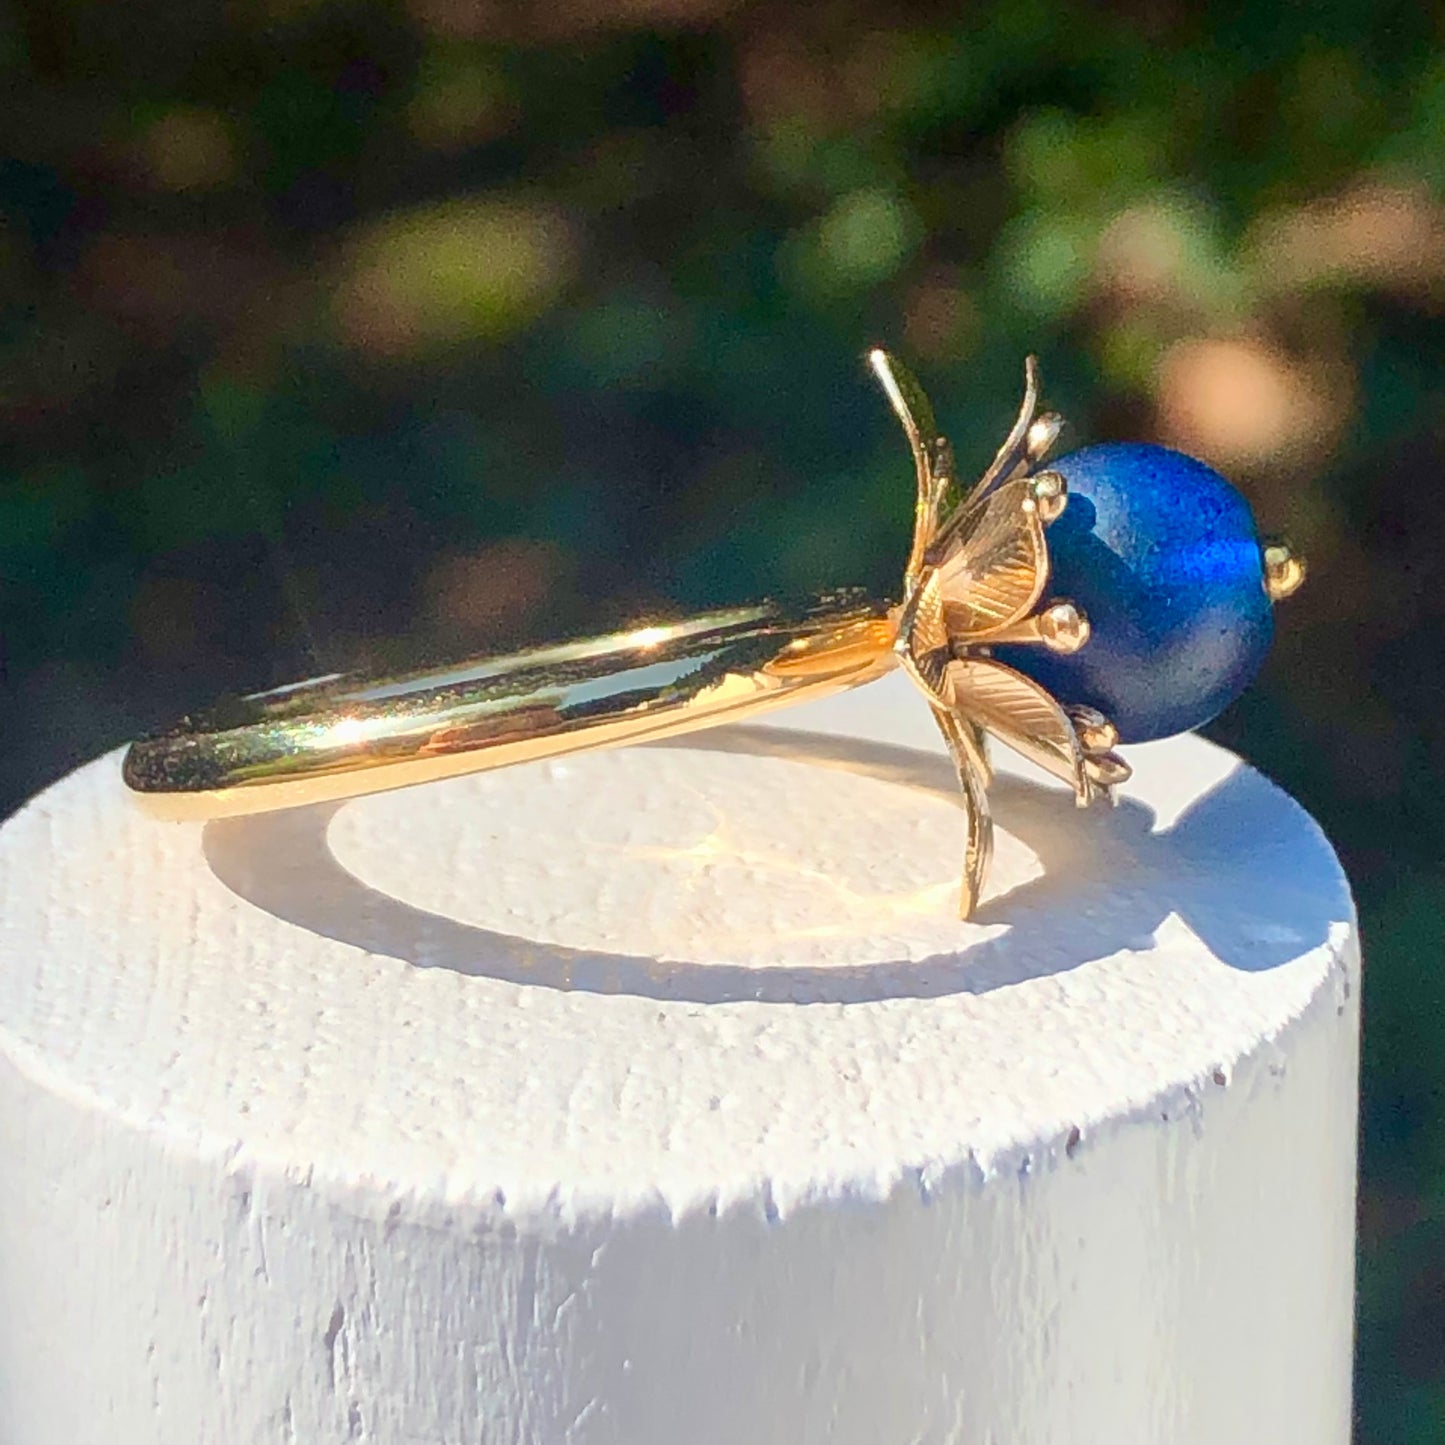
{"points": [[338, 737]]}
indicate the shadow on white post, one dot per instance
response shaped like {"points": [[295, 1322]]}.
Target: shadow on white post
{"points": [[658, 1098]]}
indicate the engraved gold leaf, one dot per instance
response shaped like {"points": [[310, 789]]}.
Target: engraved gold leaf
{"points": [[996, 566], [1012, 455], [1014, 452], [930, 629], [1019, 713], [970, 761]]}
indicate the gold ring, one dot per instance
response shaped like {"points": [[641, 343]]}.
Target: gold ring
{"points": [[1118, 594]]}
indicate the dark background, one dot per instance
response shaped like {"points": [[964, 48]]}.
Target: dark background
{"points": [[337, 329]]}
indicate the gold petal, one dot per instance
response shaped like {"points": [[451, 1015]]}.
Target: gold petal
{"points": [[1014, 452], [907, 398], [1020, 713], [1013, 455], [930, 630], [996, 566], [969, 761], [932, 458]]}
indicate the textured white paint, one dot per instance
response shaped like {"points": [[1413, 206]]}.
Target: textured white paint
{"points": [[657, 1097]]}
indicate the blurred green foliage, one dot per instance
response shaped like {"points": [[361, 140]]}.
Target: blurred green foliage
{"points": [[452, 322]]}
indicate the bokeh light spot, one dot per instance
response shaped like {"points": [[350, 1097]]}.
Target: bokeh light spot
{"points": [[1243, 402], [472, 270]]}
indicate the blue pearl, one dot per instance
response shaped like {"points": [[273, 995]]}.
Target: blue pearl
{"points": [[1160, 554]]}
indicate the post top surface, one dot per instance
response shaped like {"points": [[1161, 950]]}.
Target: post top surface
{"points": [[721, 972]]}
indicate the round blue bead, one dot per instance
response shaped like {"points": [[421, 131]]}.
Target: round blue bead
{"points": [[1160, 554]]}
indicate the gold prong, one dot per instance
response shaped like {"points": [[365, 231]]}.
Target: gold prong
{"points": [[1060, 627], [1284, 572], [1096, 733], [1051, 495], [942, 467], [1107, 770], [1043, 432]]}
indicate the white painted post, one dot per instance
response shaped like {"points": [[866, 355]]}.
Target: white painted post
{"points": [[657, 1098]]}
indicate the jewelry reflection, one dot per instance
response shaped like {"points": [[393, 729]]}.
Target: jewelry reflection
{"points": [[1162, 551]]}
